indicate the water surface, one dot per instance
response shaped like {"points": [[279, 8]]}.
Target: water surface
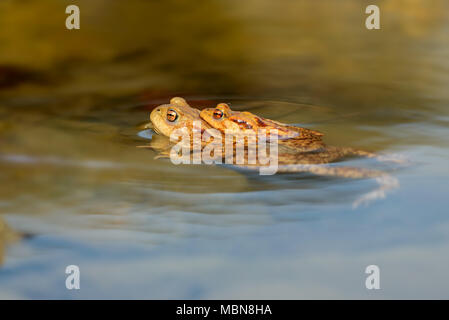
{"points": [[76, 190]]}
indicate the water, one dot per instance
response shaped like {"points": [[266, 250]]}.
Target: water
{"points": [[76, 190]]}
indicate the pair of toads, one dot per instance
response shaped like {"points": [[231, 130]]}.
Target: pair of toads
{"points": [[298, 149]]}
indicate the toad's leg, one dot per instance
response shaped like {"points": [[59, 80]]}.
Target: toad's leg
{"points": [[345, 151], [385, 181]]}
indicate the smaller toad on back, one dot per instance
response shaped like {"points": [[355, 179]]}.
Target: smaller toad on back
{"points": [[292, 139], [235, 122]]}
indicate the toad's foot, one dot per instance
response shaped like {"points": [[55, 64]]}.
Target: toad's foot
{"points": [[385, 182]]}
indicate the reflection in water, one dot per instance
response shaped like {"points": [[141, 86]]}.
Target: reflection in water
{"points": [[72, 103]]}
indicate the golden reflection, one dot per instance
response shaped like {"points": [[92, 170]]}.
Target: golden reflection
{"points": [[71, 102]]}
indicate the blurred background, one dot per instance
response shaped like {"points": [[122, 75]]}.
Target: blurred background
{"points": [[75, 190]]}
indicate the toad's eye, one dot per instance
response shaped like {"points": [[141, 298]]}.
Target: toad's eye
{"points": [[218, 114], [172, 115]]}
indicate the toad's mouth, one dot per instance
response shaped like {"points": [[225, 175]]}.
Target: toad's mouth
{"points": [[156, 130]]}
